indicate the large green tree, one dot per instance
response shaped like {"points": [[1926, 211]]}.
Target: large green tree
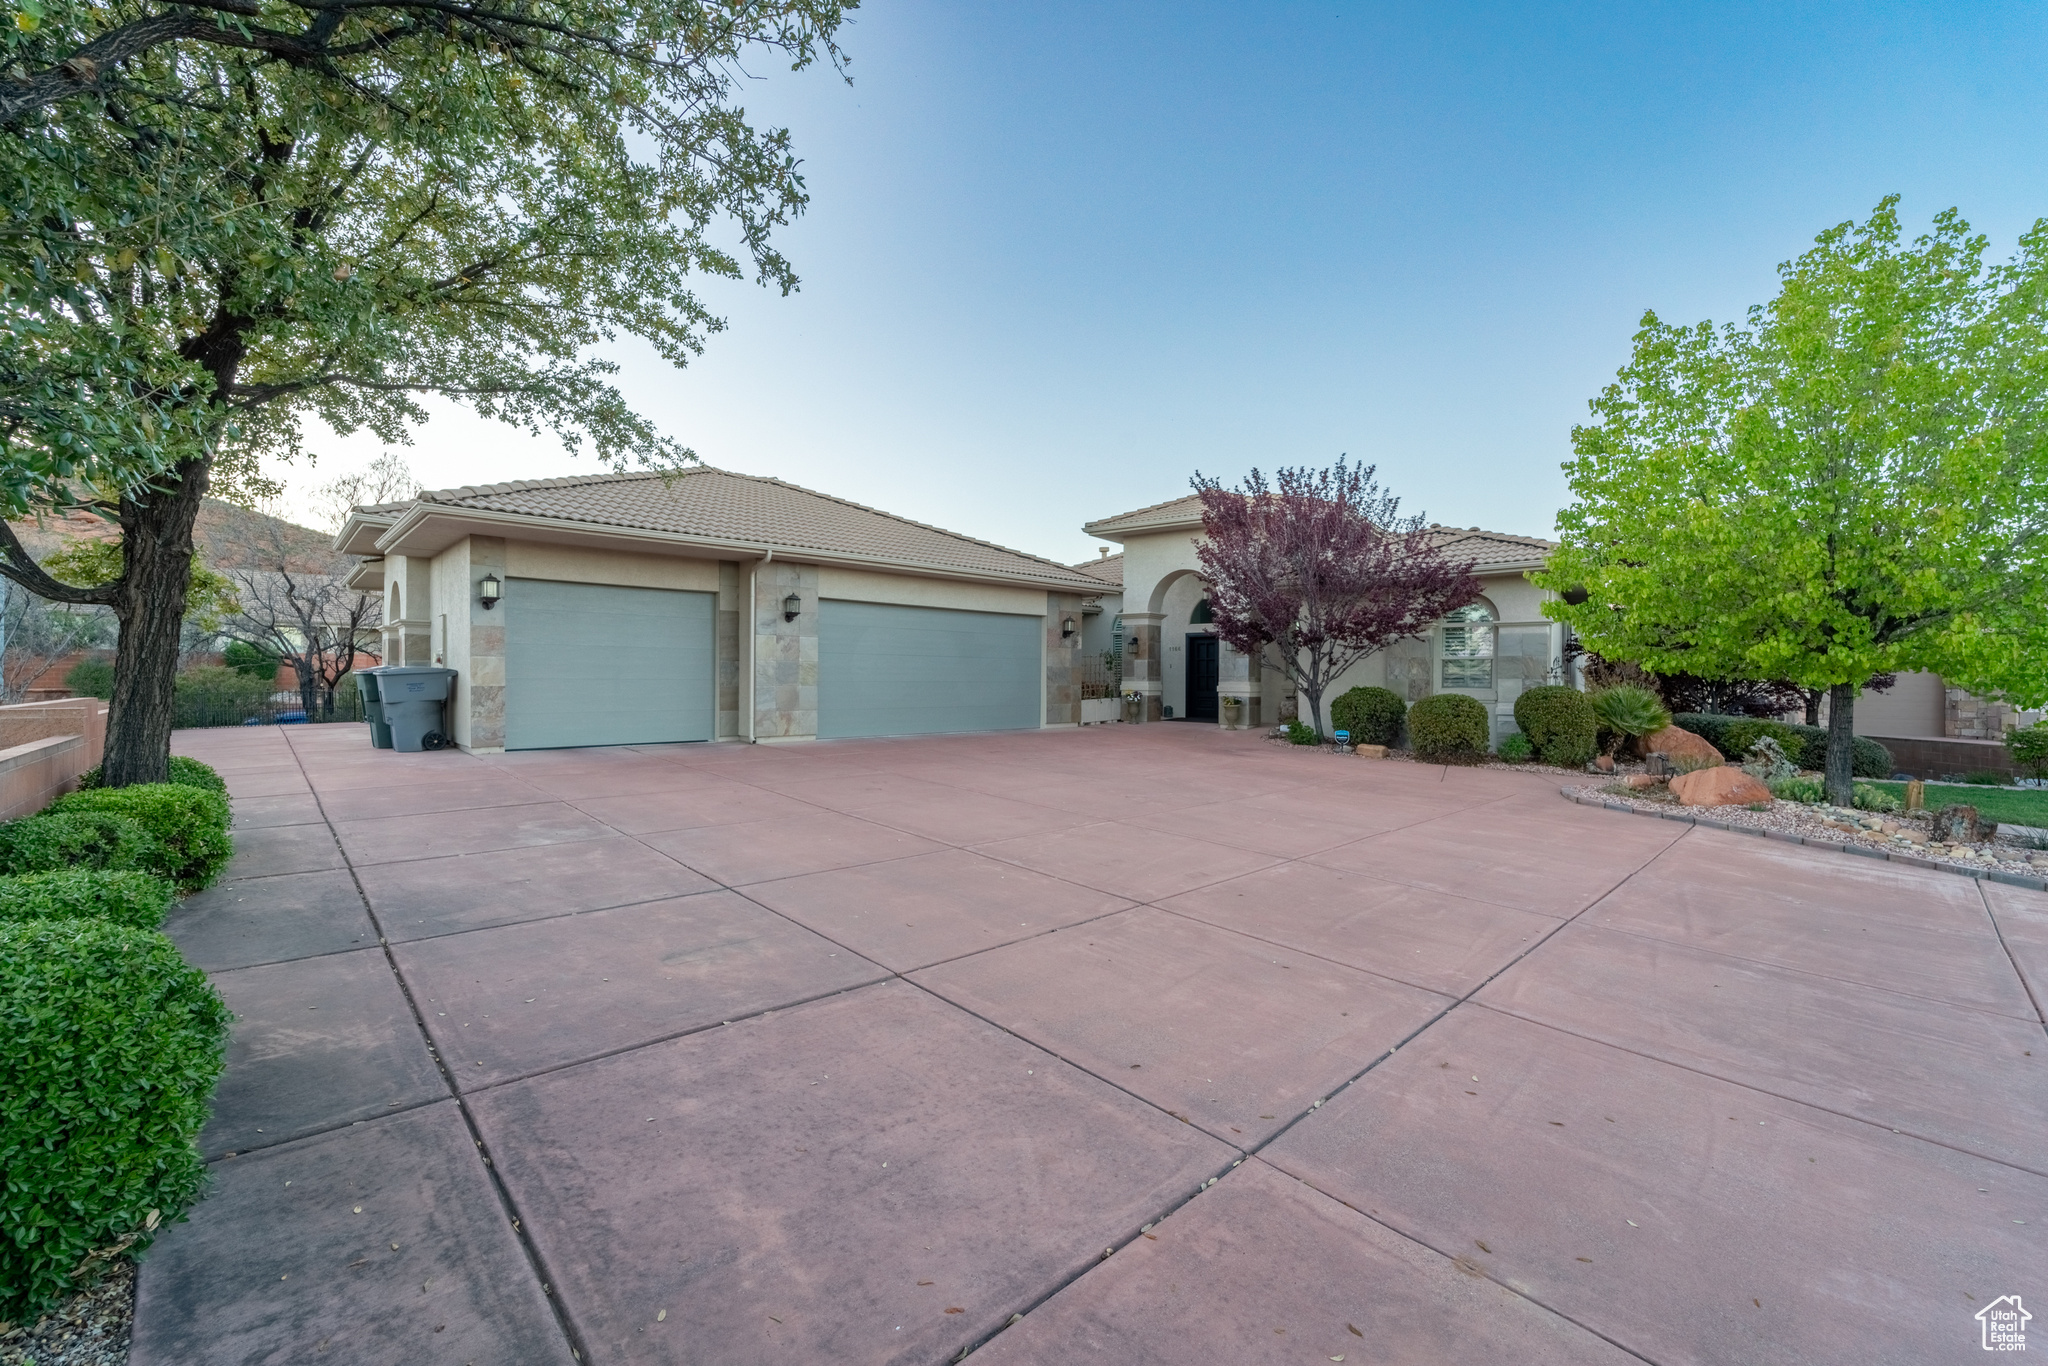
{"points": [[1853, 484], [225, 217]]}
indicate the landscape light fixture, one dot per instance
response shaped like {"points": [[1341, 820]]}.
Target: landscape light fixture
{"points": [[488, 591], [791, 606], [1066, 627]]}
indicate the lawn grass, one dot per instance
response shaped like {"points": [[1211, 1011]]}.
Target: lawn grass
{"points": [[2006, 805]]}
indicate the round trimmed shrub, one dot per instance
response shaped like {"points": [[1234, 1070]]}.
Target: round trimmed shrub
{"points": [[190, 823], [1448, 728], [113, 1047], [137, 900], [49, 843], [185, 772], [1737, 740], [1559, 722], [1372, 715]]}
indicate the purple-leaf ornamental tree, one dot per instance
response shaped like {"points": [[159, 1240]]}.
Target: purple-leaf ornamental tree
{"points": [[1321, 567]]}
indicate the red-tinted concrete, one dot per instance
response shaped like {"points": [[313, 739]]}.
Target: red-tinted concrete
{"points": [[1785, 1105], [268, 851], [1690, 1219], [910, 912], [513, 1000], [1126, 860], [472, 830], [317, 1043], [786, 846], [1556, 859], [1262, 1268], [781, 1187], [1228, 1032], [1443, 943], [1874, 924], [298, 915], [1902, 1062], [443, 895], [277, 1265]]}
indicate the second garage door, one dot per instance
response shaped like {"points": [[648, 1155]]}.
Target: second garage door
{"points": [[886, 670], [596, 664]]}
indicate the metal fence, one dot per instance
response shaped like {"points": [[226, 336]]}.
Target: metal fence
{"points": [[1100, 676], [200, 711]]}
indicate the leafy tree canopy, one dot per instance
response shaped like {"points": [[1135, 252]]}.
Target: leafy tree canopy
{"points": [[225, 217], [1851, 485]]}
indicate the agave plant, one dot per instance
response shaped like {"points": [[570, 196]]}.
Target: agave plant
{"points": [[1627, 711]]}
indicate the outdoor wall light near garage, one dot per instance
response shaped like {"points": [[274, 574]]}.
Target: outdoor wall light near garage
{"points": [[791, 607], [488, 591], [1066, 627]]}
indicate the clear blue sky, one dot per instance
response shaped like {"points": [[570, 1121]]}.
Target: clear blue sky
{"points": [[1061, 255]]}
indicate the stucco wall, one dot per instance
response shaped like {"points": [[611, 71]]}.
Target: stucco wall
{"points": [[1916, 705], [858, 585], [578, 564]]}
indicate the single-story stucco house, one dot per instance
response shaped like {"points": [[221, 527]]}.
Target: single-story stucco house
{"points": [[1489, 650], [637, 608]]}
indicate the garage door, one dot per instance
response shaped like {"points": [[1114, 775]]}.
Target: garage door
{"points": [[593, 664], [925, 670]]}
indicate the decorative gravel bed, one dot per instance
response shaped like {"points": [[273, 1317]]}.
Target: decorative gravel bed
{"points": [[89, 1329], [1901, 838]]}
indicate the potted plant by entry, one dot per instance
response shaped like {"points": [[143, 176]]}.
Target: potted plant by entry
{"points": [[1233, 712]]}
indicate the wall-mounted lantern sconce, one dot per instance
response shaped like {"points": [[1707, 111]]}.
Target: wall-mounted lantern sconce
{"points": [[488, 591], [791, 607], [1066, 627]]}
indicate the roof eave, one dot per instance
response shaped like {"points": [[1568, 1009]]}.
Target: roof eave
{"points": [[394, 541], [1110, 531], [358, 535]]}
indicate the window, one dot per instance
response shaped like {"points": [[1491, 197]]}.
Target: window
{"points": [[1468, 648], [1201, 616]]}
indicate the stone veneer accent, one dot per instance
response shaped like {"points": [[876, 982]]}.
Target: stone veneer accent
{"points": [[732, 587], [1141, 660], [1062, 661], [785, 653], [486, 648]]}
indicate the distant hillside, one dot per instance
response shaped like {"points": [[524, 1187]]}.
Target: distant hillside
{"points": [[224, 534]]}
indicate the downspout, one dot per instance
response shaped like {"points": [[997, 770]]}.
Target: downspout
{"points": [[747, 684]]}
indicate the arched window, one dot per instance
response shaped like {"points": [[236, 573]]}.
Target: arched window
{"points": [[1468, 648], [1201, 616]]}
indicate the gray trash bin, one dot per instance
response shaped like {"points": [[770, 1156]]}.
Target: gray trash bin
{"points": [[413, 697], [373, 708]]}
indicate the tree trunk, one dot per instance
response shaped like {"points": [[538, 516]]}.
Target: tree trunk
{"points": [[156, 540], [309, 683], [1813, 706], [1841, 767]]}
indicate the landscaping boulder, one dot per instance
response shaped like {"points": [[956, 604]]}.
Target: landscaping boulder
{"points": [[1682, 748], [1957, 824], [1721, 786]]}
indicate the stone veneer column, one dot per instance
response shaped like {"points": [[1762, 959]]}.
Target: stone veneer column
{"points": [[487, 647], [1141, 659], [1062, 661], [785, 654], [1235, 678], [732, 587]]}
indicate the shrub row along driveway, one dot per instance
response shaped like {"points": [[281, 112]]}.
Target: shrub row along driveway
{"points": [[850, 1052]]}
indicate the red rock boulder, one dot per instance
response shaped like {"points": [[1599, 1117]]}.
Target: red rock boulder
{"points": [[1721, 786], [1681, 747]]}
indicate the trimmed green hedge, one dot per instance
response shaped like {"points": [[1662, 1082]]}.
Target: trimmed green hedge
{"points": [[1448, 728], [113, 1048], [189, 822], [1372, 715], [1560, 723], [136, 900], [51, 843], [184, 772], [1806, 746]]}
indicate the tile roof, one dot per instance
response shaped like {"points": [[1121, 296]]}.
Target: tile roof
{"points": [[721, 506], [1483, 547], [1107, 568]]}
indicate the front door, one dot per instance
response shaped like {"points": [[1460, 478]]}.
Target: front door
{"points": [[1201, 678]]}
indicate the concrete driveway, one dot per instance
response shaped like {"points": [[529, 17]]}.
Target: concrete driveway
{"points": [[1154, 1044]]}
